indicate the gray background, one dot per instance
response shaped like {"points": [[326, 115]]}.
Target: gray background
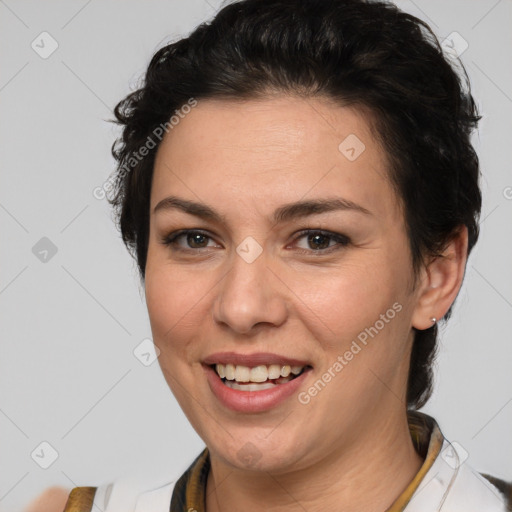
{"points": [[70, 324]]}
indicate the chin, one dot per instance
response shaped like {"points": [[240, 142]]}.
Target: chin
{"points": [[263, 451]]}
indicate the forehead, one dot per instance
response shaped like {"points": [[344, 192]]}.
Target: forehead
{"points": [[273, 150]]}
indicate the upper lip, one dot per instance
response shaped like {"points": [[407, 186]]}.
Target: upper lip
{"points": [[252, 360]]}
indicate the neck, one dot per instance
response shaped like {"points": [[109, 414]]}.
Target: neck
{"points": [[369, 477]]}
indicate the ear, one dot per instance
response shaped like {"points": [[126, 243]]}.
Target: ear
{"points": [[440, 281]]}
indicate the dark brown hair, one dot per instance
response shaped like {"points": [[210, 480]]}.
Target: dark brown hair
{"points": [[356, 52]]}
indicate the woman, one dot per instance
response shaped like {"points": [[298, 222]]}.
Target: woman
{"points": [[297, 184]]}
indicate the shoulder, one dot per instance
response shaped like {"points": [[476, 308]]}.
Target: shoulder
{"points": [[451, 484], [505, 488], [460, 488], [468, 489], [471, 490], [123, 495], [140, 493], [52, 499]]}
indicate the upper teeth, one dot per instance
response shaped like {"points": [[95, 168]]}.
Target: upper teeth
{"points": [[257, 374]]}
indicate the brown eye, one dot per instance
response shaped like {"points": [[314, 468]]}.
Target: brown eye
{"points": [[318, 241], [321, 241], [193, 239], [196, 239]]}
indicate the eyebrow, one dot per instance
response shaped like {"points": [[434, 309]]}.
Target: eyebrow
{"points": [[284, 213]]}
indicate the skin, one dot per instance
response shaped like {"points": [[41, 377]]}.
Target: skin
{"points": [[350, 444], [52, 499]]}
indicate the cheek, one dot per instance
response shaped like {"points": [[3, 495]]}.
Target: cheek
{"points": [[348, 298], [170, 304], [362, 337], [173, 303], [359, 312]]}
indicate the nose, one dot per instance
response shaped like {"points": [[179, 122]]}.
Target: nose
{"points": [[250, 295]]}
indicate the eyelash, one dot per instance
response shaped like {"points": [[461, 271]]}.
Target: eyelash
{"points": [[342, 240]]}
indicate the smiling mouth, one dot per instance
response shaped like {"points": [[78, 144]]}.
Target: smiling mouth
{"points": [[257, 378]]}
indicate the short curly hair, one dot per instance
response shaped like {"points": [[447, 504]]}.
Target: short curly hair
{"points": [[362, 53]]}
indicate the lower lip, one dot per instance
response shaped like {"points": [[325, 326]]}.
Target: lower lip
{"points": [[252, 401]]}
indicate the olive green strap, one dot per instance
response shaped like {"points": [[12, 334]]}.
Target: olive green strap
{"points": [[80, 499]]}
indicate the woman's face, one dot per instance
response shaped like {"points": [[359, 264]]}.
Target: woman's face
{"points": [[265, 285]]}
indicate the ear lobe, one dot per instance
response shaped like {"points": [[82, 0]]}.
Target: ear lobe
{"points": [[441, 281]]}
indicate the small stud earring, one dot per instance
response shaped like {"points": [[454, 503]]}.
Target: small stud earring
{"points": [[434, 320]]}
